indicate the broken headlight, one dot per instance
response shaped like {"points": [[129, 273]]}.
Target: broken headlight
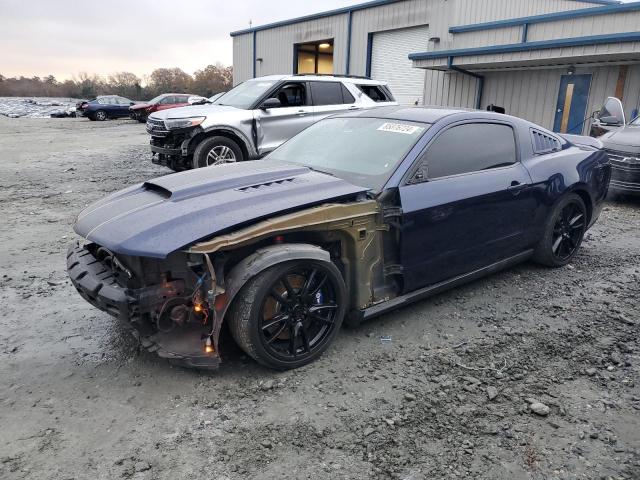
{"points": [[174, 123]]}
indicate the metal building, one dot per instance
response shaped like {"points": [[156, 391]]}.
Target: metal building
{"points": [[550, 61]]}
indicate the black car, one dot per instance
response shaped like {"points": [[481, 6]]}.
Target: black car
{"points": [[357, 215]]}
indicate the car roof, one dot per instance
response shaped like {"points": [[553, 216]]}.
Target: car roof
{"points": [[430, 114], [410, 114], [323, 78]]}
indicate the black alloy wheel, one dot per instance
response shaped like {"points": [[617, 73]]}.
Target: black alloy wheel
{"points": [[568, 231], [289, 314], [564, 230]]}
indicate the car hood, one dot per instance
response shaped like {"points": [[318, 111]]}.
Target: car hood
{"points": [[626, 139], [139, 106], [157, 217], [194, 111]]}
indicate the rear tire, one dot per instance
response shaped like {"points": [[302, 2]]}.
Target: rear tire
{"points": [[216, 151], [284, 326], [563, 233]]}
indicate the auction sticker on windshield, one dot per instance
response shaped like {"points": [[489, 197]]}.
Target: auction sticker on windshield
{"points": [[400, 128]]}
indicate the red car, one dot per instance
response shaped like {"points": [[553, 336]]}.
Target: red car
{"points": [[141, 111]]}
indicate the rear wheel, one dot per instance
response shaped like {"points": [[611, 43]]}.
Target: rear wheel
{"points": [[563, 233], [288, 315], [216, 151], [100, 115]]}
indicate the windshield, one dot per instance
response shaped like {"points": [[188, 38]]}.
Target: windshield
{"points": [[363, 151], [245, 94], [157, 99]]}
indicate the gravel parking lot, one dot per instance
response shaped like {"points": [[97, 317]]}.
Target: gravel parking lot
{"points": [[530, 373]]}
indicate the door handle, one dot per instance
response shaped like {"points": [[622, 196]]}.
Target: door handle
{"points": [[302, 113], [353, 107], [516, 187]]}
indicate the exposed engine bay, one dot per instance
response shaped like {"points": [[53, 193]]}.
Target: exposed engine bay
{"points": [[177, 305]]}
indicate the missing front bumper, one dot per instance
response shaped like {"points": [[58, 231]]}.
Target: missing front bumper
{"points": [[96, 283]]}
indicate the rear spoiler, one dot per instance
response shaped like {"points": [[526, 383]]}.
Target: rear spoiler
{"points": [[583, 141]]}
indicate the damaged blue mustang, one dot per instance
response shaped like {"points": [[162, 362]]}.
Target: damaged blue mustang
{"points": [[357, 215]]}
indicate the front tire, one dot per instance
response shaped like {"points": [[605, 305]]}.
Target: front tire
{"points": [[564, 231], [216, 151], [288, 315], [100, 115]]}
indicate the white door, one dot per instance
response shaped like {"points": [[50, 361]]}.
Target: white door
{"points": [[390, 62]]}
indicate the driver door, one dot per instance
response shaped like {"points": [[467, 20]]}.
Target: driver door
{"points": [[469, 204], [277, 125]]}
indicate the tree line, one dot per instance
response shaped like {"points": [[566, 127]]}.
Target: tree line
{"points": [[206, 82]]}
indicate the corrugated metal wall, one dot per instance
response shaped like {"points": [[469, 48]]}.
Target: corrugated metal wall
{"points": [[477, 11], [275, 45], [242, 58], [389, 17], [533, 94]]}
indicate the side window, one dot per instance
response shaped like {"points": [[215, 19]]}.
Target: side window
{"points": [[292, 95], [327, 93], [375, 93], [471, 147], [123, 101], [346, 95], [103, 101], [166, 101]]}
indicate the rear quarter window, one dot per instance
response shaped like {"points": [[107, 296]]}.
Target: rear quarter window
{"points": [[377, 93]]}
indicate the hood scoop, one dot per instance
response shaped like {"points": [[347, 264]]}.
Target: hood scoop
{"points": [[210, 180], [257, 186]]}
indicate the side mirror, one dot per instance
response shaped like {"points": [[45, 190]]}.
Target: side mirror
{"points": [[194, 100], [612, 112], [132, 103], [270, 103], [610, 120]]}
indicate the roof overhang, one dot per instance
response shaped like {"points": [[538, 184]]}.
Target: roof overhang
{"points": [[598, 48]]}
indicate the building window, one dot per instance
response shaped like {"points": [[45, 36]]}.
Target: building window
{"points": [[314, 57]]}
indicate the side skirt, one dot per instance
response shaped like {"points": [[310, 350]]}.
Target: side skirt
{"points": [[426, 292]]}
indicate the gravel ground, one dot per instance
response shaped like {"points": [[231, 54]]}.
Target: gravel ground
{"points": [[530, 373]]}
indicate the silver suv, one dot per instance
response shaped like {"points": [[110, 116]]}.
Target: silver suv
{"points": [[255, 117]]}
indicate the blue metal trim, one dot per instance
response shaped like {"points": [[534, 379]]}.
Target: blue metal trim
{"points": [[477, 76], [369, 53], [548, 17], [525, 32], [254, 55], [601, 2], [523, 47], [348, 54], [295, 59], [315, 16]]}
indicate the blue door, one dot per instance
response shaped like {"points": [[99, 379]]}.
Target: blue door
{"points": [[572, 104]]}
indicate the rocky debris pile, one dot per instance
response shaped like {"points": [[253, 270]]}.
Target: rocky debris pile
{"points": [[17, 107]]}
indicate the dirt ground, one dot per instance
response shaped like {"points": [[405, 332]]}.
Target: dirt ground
{"points": [[446, 388]]}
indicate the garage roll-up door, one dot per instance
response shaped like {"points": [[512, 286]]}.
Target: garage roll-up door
{"points": [[390, 62]]}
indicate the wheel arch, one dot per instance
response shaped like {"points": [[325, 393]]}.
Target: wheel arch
{"points": [[264, 258], [240, 139]]}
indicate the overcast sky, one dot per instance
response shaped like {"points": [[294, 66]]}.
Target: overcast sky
{"points": [[65, 37]]}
